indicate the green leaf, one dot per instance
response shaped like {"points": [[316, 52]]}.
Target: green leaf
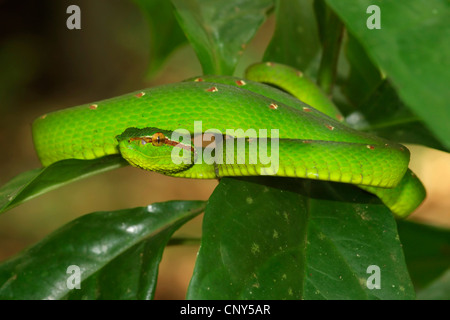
{"points": [[165, 33], [385, 115], [280, 238], [427, 251], [438, 290], [140, 263], [30, 184], [295, 40], [412, 49], [219, 30], [117, 252]]}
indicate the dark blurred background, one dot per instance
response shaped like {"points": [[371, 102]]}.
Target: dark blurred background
{"points": [[44, 66]]}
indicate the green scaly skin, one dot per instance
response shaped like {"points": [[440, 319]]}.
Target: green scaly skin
{"points": [[405, 197], [294, 82], [312, 145]]}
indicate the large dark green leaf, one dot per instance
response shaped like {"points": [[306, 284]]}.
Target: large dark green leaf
{"points": [[295, 41], [118, 254], [412, 49], [165, 33], [275, 238], [219, 30], [30, 184], [385, 115], [437, 290], [427, 251]]}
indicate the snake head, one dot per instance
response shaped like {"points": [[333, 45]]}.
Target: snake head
{"points": [[153, 149]]}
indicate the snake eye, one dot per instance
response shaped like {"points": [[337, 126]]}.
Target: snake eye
{"points": [[158, 139]]}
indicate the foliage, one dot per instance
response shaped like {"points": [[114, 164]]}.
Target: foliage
{"points": [[270, 238]]}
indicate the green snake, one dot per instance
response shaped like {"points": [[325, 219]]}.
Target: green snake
{"points": [[311, 140]]}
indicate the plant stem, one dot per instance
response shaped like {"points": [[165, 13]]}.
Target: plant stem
{"points": [[331, 37]]}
